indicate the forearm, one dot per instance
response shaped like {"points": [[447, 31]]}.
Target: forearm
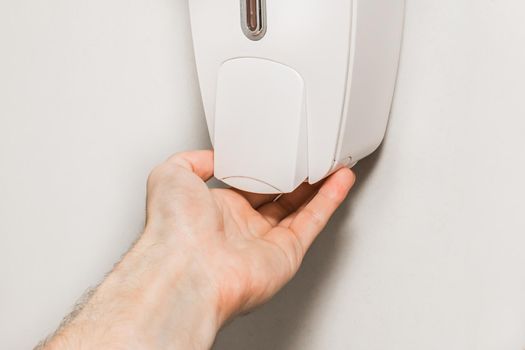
{"points": [[153, 299], [206, 256]]}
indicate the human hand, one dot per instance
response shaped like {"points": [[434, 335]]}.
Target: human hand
{"points": [[206, 255]]}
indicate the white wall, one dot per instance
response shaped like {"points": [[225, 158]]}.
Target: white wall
{"points": [[427, 254]]}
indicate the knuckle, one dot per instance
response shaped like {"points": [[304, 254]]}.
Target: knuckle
{"points": [[179, 159], [299, 252], [155, 174], [315, 218], [159, 173], [294, 255], [175, 158]]}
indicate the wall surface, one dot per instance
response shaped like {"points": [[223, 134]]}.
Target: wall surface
{"points": [[428, 253]]}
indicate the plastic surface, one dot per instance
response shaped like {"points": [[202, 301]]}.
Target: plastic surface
{"points": [[346, 53], [260, 126], [376, 44]]}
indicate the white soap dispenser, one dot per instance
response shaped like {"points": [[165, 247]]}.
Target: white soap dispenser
{"points": [[294, 89]]}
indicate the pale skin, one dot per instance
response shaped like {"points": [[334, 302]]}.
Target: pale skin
{"points": [[206, 256]]}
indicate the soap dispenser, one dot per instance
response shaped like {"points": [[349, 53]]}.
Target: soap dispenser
{"points": [[293, 90]]}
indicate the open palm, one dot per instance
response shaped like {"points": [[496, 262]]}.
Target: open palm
{"points": [[249, 246]]}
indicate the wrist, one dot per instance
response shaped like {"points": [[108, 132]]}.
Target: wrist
{"points": [[171, 303], [153, 299]]}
